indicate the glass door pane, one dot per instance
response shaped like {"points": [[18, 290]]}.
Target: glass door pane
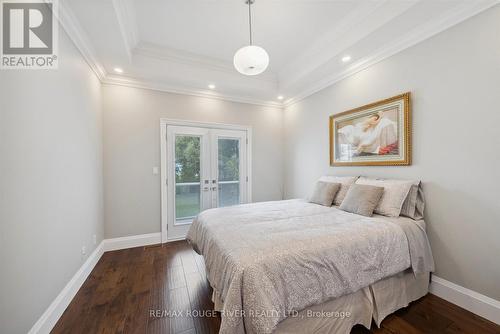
{"points": [[187, 178], [205, 168], [228, 171]]}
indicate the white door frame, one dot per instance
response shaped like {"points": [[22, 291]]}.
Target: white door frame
{"points": [[164, 122]]}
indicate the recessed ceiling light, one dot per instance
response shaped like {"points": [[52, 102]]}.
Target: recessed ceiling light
{"points": [[345, 59], [280, 97], [118, 70], [211, 86]]}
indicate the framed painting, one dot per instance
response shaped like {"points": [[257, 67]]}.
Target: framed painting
{"points": [[377, 134]]}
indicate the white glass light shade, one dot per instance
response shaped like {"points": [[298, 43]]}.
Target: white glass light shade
{"points": [[251, 60]]}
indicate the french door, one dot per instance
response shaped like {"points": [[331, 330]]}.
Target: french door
{"points": [[206, 168]]}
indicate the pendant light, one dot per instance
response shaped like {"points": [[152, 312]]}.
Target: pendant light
{"points": [[251, 59]]}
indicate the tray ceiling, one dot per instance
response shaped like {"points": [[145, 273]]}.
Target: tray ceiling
{"points": [[185, 45]]}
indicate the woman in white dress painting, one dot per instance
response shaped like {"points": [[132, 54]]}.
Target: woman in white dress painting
{"points": [[376, 135]]}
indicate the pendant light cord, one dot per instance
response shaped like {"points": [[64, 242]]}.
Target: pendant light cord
{"points": [[250, 18]]}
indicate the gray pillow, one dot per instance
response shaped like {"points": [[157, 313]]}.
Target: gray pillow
{"points": [[395, 193], [345, 183], [324, 193], [362, 199], [414, 204]]}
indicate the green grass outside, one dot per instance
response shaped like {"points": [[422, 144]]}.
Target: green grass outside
{"points": [[187, 204]]}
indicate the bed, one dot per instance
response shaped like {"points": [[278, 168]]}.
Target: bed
{"points": [[293, 266]]}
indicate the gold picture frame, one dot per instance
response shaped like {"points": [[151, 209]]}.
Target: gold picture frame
{"points": [[376, 134]]}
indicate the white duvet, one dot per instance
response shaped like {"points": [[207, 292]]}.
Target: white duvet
{"points": [[268, 260]]}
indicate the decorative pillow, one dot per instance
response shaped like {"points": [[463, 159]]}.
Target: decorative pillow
{"points": [[395, 193], [414, 205], [345, 183], [324, 192], [362, 199]]}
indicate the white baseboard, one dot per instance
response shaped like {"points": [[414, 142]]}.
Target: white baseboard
{"points": [[175, 239], [472, 301], [132, 241], [52, 314]]}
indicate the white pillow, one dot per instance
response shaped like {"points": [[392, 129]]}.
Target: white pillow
{"points": [[345, 183], [395, 193]]}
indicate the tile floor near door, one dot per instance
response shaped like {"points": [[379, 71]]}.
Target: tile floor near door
{"points": [[127, 285]]}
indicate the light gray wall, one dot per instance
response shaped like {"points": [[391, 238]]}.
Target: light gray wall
{"points": [[50, 182], [454, 78], [132, 149]]}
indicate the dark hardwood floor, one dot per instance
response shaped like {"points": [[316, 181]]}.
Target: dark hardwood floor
{"points": [[130, 291]]}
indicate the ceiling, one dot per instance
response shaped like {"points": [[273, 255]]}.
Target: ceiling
{"points": [[185, 45]]}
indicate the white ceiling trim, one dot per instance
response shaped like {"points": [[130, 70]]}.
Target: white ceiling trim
{"points": [[355, 27], [158, 86], [125, 14], [327, 46], [79, 37], [414, 37], [128, 26], [72, 27], [178, 56], [75, 32]]}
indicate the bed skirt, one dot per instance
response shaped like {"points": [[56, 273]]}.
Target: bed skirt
{"points": [[339, 315]]}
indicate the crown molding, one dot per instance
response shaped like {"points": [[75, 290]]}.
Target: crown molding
{"points": [[196, 60], [78, 36], [334, 41], [463, 12], [125, 14], [157, 86], [70, 24]]}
